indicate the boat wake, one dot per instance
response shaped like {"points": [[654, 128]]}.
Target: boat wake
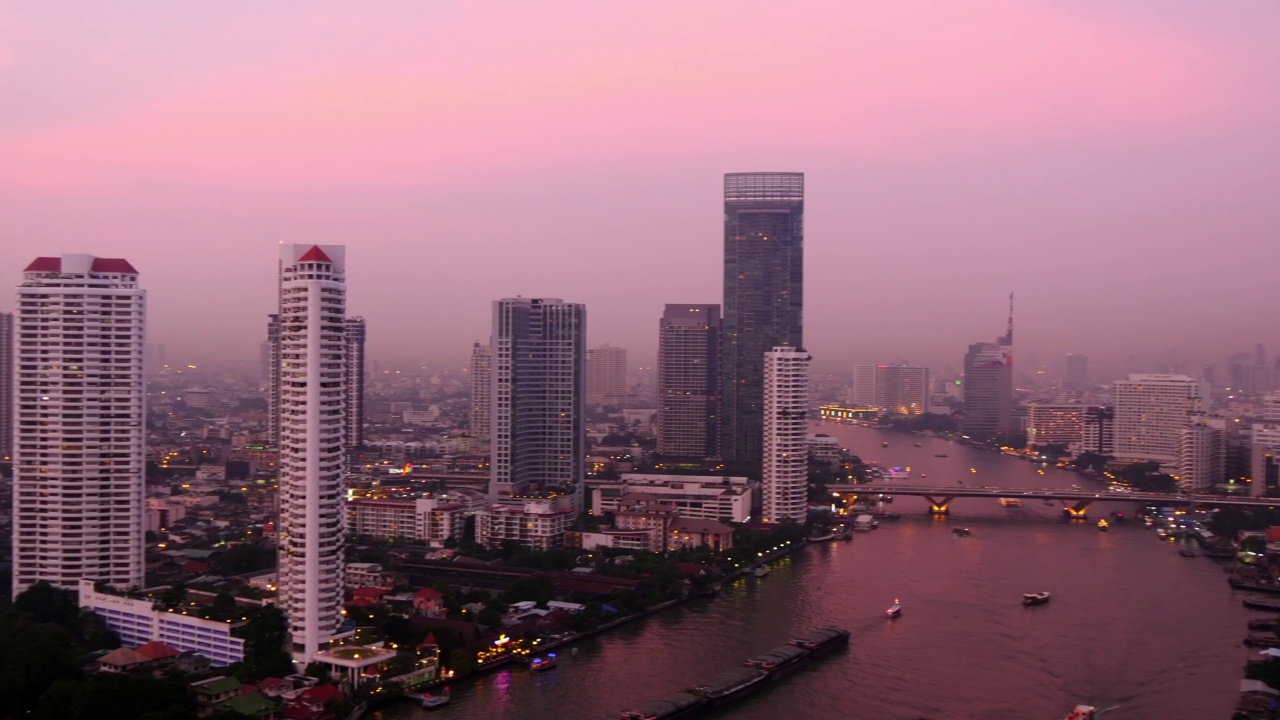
{"points": [[1104, 711]]}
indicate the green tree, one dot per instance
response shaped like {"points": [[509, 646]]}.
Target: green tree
{"points": [[265, 635], [43, 603]]}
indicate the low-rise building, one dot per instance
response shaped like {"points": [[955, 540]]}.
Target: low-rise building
{"points": [[702, 496], [365, 575], [535, 524], [640, 539], [137, 621], [431, 519], [695, 532]]}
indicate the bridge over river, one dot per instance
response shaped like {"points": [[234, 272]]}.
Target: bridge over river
{"points": [[1075, 501]]}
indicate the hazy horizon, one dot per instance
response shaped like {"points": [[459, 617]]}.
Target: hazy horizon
{"points": [[1113, 165]]}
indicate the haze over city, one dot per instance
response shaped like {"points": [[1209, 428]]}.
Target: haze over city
{"points": [[1112, 165]]}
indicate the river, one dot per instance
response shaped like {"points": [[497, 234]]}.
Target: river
{"points": [[1133, 628]]}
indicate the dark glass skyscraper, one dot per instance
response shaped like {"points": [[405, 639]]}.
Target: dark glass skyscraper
{"points": [[689, 381], [763, 297]]}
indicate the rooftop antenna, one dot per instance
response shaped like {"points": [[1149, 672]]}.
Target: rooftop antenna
{"points": [[1009, 332]]}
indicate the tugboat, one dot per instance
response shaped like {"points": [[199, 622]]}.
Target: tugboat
{"points": [[1082, 712], [540, 664], [1039, 598], [961, 531], [895, 610], [1103, 524]]}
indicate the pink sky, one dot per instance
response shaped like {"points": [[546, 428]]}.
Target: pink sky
{"points": [[1114, 163]]}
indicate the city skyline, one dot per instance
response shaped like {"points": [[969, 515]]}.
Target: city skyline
{"points": [[924, 168]]}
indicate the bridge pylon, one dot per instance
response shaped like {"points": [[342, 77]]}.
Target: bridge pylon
{"points": [[939, 507], [1077, 511]]}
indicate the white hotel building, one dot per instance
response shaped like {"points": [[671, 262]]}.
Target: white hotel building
{"points": [[79, 413], [785, 476], [1151, 413], [313, 403]]}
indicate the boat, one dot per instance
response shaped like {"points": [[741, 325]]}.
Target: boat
{"points": [[961, 531], [779, 661], [918, 444], [760, 570], [1103, 524], [1010, 502], [1187, 552], [430, 702], [863, 522], [822, 640], [1239, 584], [1260, 604], [1264, 624], [729, 686], [668, 708], [941, 455], [889, 516], [895, 610], [823, 538], [1262, 640], [1039, 598], [540, 664], [884, 444], [1082, 712]]}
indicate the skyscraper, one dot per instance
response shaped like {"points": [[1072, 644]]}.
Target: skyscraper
{"points": [[6, 385], [353, 335], [1077, 375], [538, 394], [78, 462], [785, 472], [1150, 414], [763, 297], [898, 388], [606, 374], [272, 347], [313, 376], [481, 391], [1202, 454], [689, 381], [988, 385]]}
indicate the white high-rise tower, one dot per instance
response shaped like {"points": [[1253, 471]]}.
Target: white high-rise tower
{"points": [[79, 406], [786, 433], [481, 391], [312, 408]]}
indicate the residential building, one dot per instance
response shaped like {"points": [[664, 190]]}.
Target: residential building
{"points": [[865, 384], [1202, 455], [353, 416], [763, 298], [784, 481], [640, 539], [137, 622], [313, 404], [6, 385], [1150, 413], [1055, 423], [606, 374], [536, 524], [1098, 432], [272, 349], [1265, 459], [1271, 407], [538, 386], [897, 388], [481, 391], [689, 381], [80, 413], [431, 520]]}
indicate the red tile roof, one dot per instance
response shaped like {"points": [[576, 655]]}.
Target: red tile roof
{"points": [[323, 693], [315, 254], [428, 594], [111, 265], [156, 650], [45, 264], [100, 265]]}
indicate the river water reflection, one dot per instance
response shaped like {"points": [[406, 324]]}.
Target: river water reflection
{"points": [[1133, 627]]}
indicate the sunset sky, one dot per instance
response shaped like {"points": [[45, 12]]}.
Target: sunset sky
{"points": [[1116, 164]]}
